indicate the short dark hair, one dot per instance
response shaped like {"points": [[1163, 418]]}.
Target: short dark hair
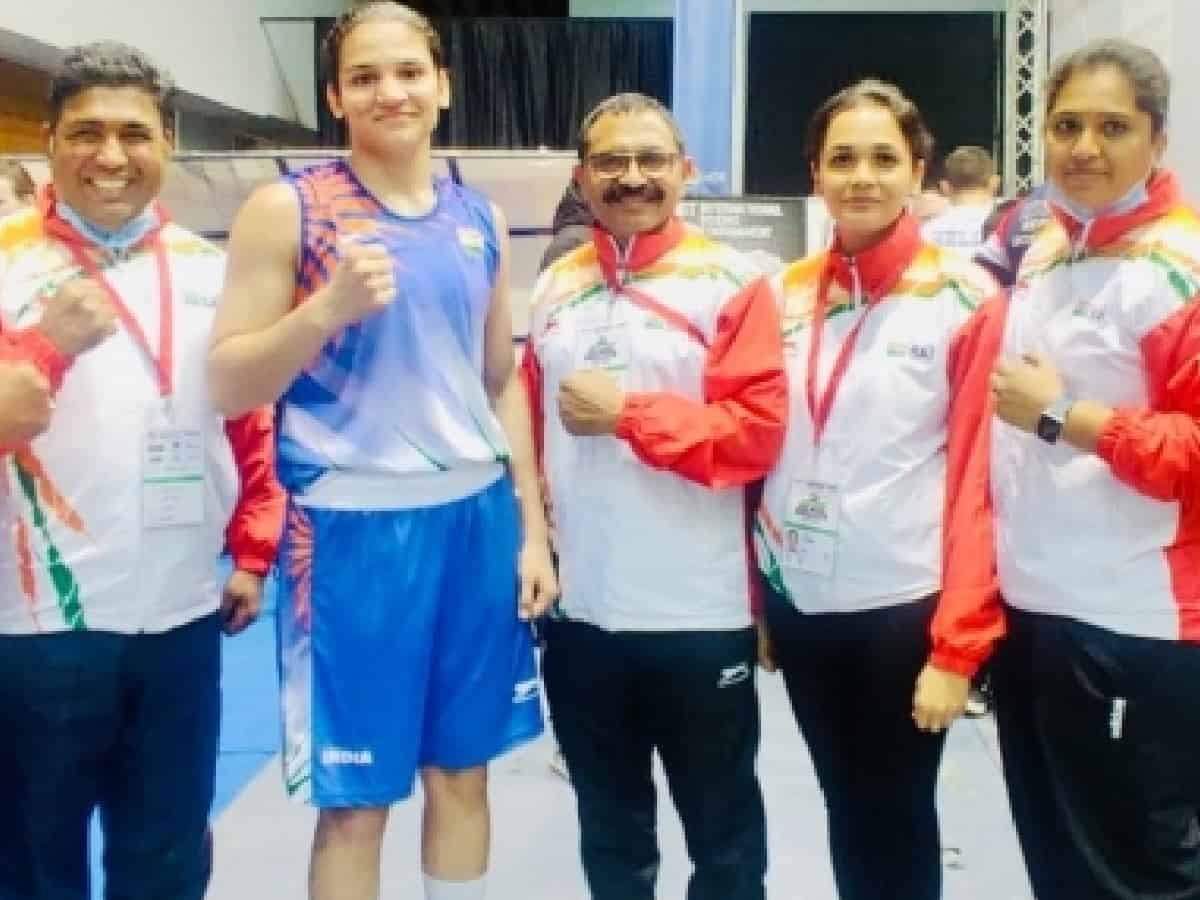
{"points": [[967, 168], [626, 105], [880, 93], [22, 182], [1146, 73], [111, 64], [375, 11]]}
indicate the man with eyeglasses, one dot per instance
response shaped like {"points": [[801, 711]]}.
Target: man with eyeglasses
{"points": [[655, 372]]}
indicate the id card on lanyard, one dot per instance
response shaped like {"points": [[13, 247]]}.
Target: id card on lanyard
{"points": [[172, 472], [813, 518], [172, 452], [605, 346], [608, 345]]}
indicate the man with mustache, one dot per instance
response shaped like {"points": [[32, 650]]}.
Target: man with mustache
{"points": [[655, 372]]}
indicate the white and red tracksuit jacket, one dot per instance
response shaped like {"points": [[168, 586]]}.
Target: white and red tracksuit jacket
{"points": [[900, 446], [1111, 538], [651, 523], [74, 555]]}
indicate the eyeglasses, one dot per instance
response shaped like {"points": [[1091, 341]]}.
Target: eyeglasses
{"points": [[651, 163]]}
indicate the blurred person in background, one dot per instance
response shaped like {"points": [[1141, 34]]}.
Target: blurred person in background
{"points": [[970, 183], [16, 187]]}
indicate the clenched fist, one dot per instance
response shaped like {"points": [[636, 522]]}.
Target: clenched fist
{"points": [[78, 317], [25, 403], [362, 282], [939, 698], [1023, 388], [590, 402], [241, 601]]}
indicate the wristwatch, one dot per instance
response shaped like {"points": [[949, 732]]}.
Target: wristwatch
{"points": [[1050, 424]]}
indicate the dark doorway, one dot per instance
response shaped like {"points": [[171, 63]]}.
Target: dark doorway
{"points": [[948, 63]]}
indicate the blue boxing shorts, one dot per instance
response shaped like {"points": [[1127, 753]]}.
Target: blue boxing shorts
{"points": [[400, 646]]}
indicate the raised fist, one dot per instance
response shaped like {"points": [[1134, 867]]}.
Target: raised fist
{"points": [[78, 317], [362, 282], [25, 403]]}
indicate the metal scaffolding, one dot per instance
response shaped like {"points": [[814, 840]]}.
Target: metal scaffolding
{"points": [[1026, 46]]}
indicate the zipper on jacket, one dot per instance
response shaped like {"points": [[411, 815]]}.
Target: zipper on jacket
{"points": [[855, 283], [622, 258], [1079, 245]]}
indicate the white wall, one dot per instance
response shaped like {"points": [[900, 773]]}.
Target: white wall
{"points": [[1168, 27], [291, 42], [216, 49]]}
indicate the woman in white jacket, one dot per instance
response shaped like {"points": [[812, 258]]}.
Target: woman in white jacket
{"points": [[874, 529], [1096, 480]]}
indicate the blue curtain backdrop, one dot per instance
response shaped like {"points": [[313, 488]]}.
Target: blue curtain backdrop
{"points": [[702, 87]]}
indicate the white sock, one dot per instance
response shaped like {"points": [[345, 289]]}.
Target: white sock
{"points": [[436, 889]]}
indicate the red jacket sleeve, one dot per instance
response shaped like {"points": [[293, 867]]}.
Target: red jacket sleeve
{"points": [[253, 533], [734, 437], [970, 617], [531, 377], [1157, 451], [30, 345]]}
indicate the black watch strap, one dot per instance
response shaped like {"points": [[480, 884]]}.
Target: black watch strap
{"points": [[1054, 418]]}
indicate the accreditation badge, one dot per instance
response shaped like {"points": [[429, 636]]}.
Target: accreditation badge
{"points": [[811, 527], [605, 347], [173, 479]]}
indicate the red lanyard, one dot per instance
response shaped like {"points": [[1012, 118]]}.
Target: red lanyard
{"points": [[820, 408], [163, 363], [672, 317], [638, 297]]}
